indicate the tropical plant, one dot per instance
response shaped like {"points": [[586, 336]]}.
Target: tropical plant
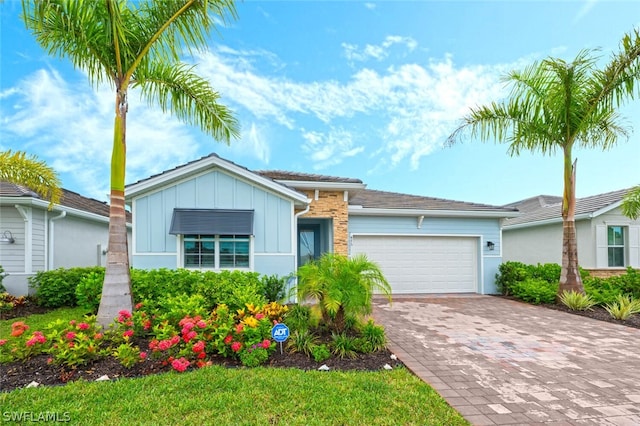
{"points": [[302, 341], [631, 203], [341, 286], [135, 45], [623, 307], [20, 169], [556, 106], [577, 301], [344, 346]]}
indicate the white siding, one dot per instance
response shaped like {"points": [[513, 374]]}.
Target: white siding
{"points": [[12, 255]]}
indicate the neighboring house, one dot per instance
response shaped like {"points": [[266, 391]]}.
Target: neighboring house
{"points": [[608, 241], [33, 238], [213, 214]]}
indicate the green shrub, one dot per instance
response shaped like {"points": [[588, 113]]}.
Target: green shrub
{"points": [[2, 288], [628, 283], [320, 353], [372, 337], [550, 272], [233, 288], [57, 288], [89, 291], [344, 346], [175, 308], [274, 287], [623, 307], [535, 290], [510, 273], [602, 291], [298, 318], [576, 301], [302, 341]]}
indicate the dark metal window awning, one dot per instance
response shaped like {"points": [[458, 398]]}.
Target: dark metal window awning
{"points": [[211, 222]]}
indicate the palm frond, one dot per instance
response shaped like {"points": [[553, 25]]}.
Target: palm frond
{"points": [[20, 169], [177, 89], [631, 203]]}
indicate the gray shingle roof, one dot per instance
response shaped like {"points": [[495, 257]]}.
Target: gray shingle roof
{"points": [[553, 211], [368, 198], [306, 177], [69, 199], [535, 203]]}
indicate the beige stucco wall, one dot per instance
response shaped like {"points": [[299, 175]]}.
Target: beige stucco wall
{"points": [[331, 205]]}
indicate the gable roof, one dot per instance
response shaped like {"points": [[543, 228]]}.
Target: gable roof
{"points": [[535, 203], [370, 201], [69, 199], [202, 164], [586, 208], [304, 177]]}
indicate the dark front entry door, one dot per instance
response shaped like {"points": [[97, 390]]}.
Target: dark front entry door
{"points": [[308, 243]]}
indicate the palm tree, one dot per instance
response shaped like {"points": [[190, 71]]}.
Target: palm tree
{"points": [[342, 287], [631, 203], [556, 106], [135, 45], [20, 169]]}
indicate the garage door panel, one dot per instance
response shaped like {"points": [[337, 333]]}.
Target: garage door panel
{"points": [[423, 264]]}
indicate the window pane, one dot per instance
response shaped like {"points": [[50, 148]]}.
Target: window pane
{"points": [[615, 236], [616, 256], [199, 251], [234, 252]]}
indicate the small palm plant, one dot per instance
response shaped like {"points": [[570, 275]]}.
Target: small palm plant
{"points": [[623, 307], [576, 301], [341, 287]]}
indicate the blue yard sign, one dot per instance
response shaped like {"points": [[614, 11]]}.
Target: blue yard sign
{"points": [[280, 332]]}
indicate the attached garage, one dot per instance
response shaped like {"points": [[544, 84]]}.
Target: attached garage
{"points": [[423, 264]]}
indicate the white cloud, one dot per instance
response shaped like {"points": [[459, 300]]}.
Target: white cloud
{"points": [[73, 124], [329, 149], [411, 108], [370, 5], [378, 52], [584, 10]]}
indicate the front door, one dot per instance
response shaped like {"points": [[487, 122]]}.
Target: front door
{"points": [[308, 243]]}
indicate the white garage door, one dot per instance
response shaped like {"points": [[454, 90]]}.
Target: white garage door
{"points": [[423, 264]]}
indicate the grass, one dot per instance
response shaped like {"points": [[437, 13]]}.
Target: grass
{"points": [[235, 396], [244, 396]]}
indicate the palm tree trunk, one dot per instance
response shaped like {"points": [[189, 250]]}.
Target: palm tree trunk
{"points": [[570, 279], [116, 290]]}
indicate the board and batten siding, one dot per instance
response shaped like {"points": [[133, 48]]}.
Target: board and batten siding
{"points": [[38, 240], [12, 256], [154, 247], [484, 229]]}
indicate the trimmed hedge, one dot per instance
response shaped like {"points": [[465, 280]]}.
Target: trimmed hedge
{"points": [[83, 287]]}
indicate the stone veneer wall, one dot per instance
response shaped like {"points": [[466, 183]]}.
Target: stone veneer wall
{"points": [[331, 205], [606, 273]]}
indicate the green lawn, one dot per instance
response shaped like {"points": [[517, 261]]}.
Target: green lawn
{"points": [[216, 395]]}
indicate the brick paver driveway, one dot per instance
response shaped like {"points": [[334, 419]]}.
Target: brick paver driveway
{"points": [[503, 362]]}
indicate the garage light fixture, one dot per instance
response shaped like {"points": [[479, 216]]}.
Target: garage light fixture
{"points": [[491, 245], [7, 238]]}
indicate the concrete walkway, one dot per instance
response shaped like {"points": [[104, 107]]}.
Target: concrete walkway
{"points": [[501, 362]]}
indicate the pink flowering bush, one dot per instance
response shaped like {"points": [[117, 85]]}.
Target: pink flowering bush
{"points": [[76, 343]]}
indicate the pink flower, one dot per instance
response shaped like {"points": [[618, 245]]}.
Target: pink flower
{"points": [[198, 347], [128, 333], [49, 360], [202, 355], [188, 326], [83, 326], [228, 339], [164, 345], [175, 340], [239, 328], [138, 306], [71, 335], [201, 324], [259, 316], [31, 342], [125, 314], [236, 346], [147, 324], [153, 345], [189, 336], [72, 322], [266, 343], [143, 355], [180, 365], [3, 341], [98, 336]]}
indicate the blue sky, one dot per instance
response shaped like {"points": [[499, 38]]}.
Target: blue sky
{"points": [[355, 89]]}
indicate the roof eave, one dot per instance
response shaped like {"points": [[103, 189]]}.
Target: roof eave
{"points": [[545, 222], [329, 186], [368, 211], [135, 189]]}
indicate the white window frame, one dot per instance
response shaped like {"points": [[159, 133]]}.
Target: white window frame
{"points": [[623, 246], [181, 254]]}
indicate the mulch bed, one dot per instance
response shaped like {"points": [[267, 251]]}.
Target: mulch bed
{"points": [[20, 374]]}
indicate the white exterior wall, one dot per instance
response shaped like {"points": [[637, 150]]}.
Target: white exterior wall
{"points": [[540, 244]]}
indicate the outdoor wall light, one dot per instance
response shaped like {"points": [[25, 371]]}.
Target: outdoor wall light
{"points": [[491, 245], [7, 238]]}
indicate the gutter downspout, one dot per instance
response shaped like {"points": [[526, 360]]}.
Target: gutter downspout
{"points": [[295, 238], [51, 239]]}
